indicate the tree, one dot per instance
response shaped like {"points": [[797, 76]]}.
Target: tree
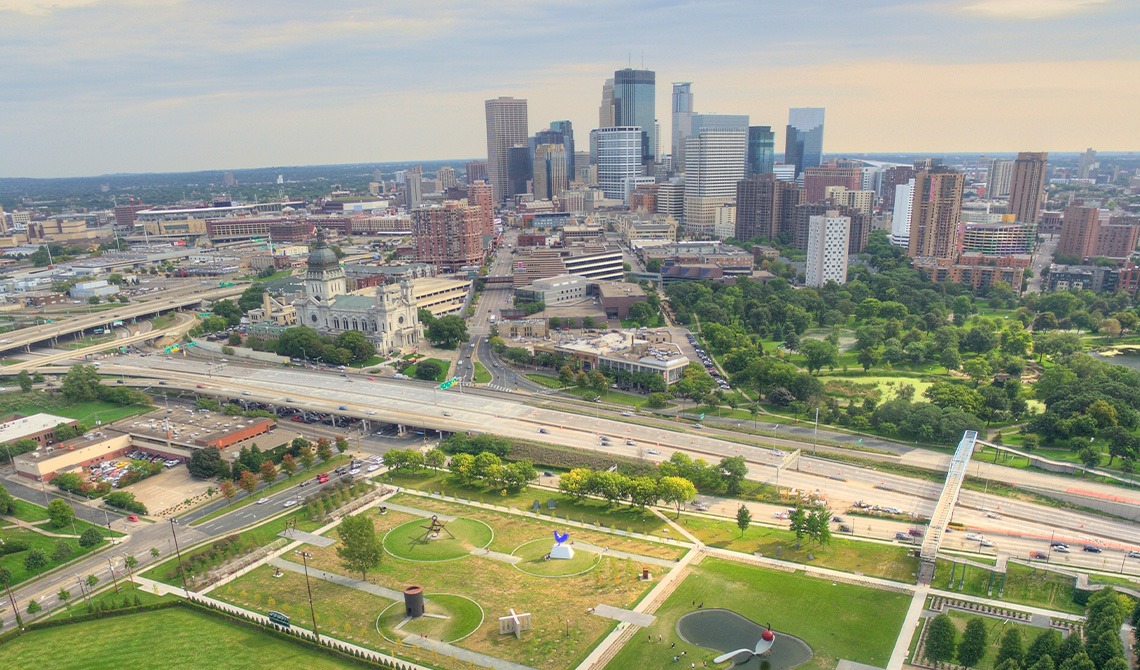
{"points": [[359, 549], [7, 502], [207, 463], [434, 458], [34, 606], [90, 537], [940, 638], [63, 551], [676, 490], [1110, 327], [35, 560], [1105, 646], [341, 444], [81, 383], [950, 359], [268, 472], [1047, 643], [743, 519], [1046, 663], [1012, 647], [91, 580], [819, 526], [1071, 646], [428, 370], [248, 481], [819, 354], [228, 490], [24, 380], [642, 491], [324, 449], [575, 483], [869, 357], [93, 300], [798, 523], [447, 331], [130, 562], [973, 645], [1080, 661], [357, 344], [64, 595], [60, 512], [288, 465], [307, 456], [251, 297], [733, 471], [977, 369], [657, 400]]}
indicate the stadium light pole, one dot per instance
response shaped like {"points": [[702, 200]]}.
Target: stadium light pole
{"points": [[305, 556]]}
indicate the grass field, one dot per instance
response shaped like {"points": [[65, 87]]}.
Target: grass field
{"points": [[482, 375], [451, 618], [586, 511], [615, 397], [535, 563], [444, 369], [86, 413], [1023, 584], [837, 620], [177, 634], [887, 385], [996, 629], [31, 513], [411, 542], [88, 341], [545, 380], [78, 604], [868, 558], [14, 563]]}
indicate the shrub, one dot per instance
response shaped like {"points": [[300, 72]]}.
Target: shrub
{"points": [[90, 537], [125, 500]]}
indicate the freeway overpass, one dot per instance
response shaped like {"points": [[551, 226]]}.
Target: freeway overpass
{"points": [[24, 339], [64, 357]]}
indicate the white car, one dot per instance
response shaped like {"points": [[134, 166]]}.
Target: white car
{"points": [[371, 412], [653, 452], [986, 543], [354, 471], [973, 537], [627, 413], [373, 468], [263, 501], [290, 502]]}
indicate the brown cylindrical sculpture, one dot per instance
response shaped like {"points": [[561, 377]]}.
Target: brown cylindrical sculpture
{"points": [[414, 601]]}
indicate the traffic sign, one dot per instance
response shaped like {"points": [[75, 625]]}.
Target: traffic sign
{"points": [[449, 383]]}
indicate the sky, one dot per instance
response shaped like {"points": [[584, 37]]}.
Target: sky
{"points": [[103, 86]]}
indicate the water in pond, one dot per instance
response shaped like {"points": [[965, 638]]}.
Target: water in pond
{"points": [[725, 630]]}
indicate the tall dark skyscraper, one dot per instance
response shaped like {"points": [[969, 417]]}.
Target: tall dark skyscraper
{"points": [[804, 142], [635, 105], [761, 148], [682, 111], [560, 132]]}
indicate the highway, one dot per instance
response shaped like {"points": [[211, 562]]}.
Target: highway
{"points": [[416, 404], [167, 301]]}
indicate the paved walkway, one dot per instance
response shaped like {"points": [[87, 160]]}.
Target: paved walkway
{"points": [[911, 622], [332, 577], [415, 511], [606, 551], [628, 616], [473, 657], [307, 538], [844, 664], [496, 556]]}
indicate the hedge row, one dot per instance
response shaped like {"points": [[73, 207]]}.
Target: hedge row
{"points": [[564, 458]]}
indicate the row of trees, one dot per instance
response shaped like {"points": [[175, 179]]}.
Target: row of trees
{"points": [[640, 491], [82, 383], [414, 460], [487, 469]]}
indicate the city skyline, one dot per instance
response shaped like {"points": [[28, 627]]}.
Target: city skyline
{"points": [[106, 86]]}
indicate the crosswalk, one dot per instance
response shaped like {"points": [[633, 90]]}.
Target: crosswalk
{"points": [[493, 387]]}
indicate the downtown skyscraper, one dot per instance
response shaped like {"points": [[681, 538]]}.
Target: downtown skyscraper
{"points": [[506, 128], [804, 140], [635, 104], [1027, 186], [936, 214], [682, 113]]}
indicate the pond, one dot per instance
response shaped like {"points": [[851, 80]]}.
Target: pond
{"points": [[725, 630]]}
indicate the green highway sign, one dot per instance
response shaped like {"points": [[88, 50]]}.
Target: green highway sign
{"points": [[449, 383]]}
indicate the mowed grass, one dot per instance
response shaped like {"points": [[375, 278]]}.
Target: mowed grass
{"points": [[85, 412], [1023, 584], [413, 541], [837, 620], [174, 639], [588, 510], [482, 375], [14, 563], [995, 628], [33, 513], [564, 631], [535, 562], [545, 380], [887, 385], [867, 558], [453, 617], [444, 368], [610, 396]]}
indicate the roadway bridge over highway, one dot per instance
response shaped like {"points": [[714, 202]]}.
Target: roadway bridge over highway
{"points": [[944, 509], [50, 332]]}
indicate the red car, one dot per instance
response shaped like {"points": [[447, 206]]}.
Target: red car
{"points": [[133, 517], [322, 478]]}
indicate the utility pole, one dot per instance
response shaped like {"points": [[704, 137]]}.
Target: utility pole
{"points": [[305, 556], [181, 571], [815, 433]]}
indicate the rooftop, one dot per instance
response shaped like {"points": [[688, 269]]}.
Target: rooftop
{"points": [[30, 425]]}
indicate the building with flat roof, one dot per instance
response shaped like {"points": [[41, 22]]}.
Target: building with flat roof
{"points": [[40, 428], [556, 290], [999, 239], [441, 296], [633, 351]]}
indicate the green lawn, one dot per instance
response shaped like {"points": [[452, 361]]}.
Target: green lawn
{"points": [[482, 375], [176, 635], [1023, 585], [375, 360], [545, 380], [452, 618], [88, 341], [615, 397], [31, 513], [887, 385], [587, 511], [86, 413], [15, 562], [837, 620], [868, 558], [411, 541], [78, 604], [996, 629], [444, 369]]}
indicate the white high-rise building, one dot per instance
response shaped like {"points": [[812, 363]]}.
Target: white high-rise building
{"points": [[619, 158], [682, 111], [714, 162], [900, 221], [828, 238], [1000, 178]]}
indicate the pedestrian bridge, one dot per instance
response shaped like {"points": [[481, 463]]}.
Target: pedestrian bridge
{"points": [[944, 510]]}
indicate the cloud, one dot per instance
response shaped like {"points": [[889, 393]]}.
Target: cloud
{"points": [[45, 7], [1030, 9]]}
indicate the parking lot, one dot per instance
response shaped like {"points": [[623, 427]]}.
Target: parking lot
{"points": [[707, 362]]}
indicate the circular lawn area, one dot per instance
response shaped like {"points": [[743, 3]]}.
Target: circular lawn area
{"points": [[447, 617], [534, 562], [410, 541]]}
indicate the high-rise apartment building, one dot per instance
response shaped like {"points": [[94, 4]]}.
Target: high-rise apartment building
{"points": [[671, 198], [760, 206], [414, 187], [936, 213], [550, 178], [446, 177], [506, 128], [1086, 164], [714, 163], [619, 158], [761, 150], [828, 241], [803, 145], [817, 179], [1027, 188], [606, 118], [1000, 178], [682, 111], [448, 235], [903, 201], [482, 196], [892, 177], [476, 171], [1080, 232], [861, 201], [635, 104]]}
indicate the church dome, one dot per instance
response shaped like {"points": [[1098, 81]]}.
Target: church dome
{"points": [[321, 257]]}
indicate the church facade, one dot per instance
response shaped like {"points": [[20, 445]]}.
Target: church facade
{"points": [[386, 315]]}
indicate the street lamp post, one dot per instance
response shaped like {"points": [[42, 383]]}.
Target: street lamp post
{"points": [[113, 579], [181, 571], [305, 556]]}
